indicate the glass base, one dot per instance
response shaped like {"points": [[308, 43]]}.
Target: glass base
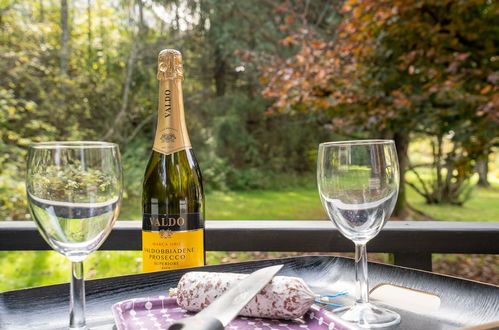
{"points": [[368, 316]]}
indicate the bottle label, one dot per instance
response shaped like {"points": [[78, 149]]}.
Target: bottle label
{"points": [[171, 131], [171, 241]]}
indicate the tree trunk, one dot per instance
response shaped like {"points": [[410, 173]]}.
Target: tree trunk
{"points": [[64, 38], [89, 35], [134, 50], [177, 18], [439, 189], [219, 74], [402, 145], [482, 168], [42, 11], [126, 91], [141, 17], [103, 39]]}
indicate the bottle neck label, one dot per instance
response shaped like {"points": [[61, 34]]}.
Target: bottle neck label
{"points": [[171, 131]]}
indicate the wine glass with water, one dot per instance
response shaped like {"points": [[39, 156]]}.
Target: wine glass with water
{"points": [[74, 195], [358, 185]]}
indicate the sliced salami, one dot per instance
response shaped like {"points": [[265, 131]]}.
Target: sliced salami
{"points": [[283, 298]]}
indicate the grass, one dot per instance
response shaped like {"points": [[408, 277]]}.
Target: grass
{"points": [[267, 205], [483, 206], [21, 269]]}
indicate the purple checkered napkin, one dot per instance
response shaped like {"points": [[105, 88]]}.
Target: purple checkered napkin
{"points": [[155, 313]]}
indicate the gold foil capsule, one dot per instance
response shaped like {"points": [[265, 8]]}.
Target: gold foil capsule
{"points": [[170, 65]]}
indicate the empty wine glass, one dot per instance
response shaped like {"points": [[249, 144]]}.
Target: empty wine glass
{"points": [[358, 184], [74, 195]]}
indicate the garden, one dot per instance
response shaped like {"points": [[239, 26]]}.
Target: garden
{"points": [[265, 83]]}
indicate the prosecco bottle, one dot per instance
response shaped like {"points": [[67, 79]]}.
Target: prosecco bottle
{"points": [[173, 197]]}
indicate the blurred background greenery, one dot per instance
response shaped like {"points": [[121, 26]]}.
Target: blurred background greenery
{"points": [[265, 82]]}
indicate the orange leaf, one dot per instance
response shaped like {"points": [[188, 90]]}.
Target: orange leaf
{"points": [[288, 40], [318, 44], [486, 89], [289, 19]]}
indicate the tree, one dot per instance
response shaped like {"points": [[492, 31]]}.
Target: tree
{"points": [[35, 63], [393, 67], [482, 168], [64, 38]]}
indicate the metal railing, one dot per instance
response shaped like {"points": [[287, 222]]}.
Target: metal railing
{"points": [[412, 243]]}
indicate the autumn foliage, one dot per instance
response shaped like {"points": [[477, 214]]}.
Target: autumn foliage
{"points": [[393, 67]]}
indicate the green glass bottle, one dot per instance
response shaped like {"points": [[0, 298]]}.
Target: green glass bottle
{"points": [[172, 197]]}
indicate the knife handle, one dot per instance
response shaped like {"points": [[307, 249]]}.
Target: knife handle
{"points": [[197, 323]]}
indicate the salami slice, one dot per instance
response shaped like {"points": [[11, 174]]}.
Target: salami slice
{"points": [[283, 298]]}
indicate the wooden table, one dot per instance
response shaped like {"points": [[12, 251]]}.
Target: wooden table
{"points": [[463, 303]]}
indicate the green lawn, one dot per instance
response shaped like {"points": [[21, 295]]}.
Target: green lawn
{"points": [[268, 205], [483, 206], [24, 269]]}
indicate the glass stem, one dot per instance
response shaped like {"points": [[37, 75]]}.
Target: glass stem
{"points": [[77, 297], [361, 285]]}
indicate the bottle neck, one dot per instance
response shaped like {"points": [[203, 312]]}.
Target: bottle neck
{"points": [[171, 131]]}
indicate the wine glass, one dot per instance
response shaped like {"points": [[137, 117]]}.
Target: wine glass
{"points": [[358, 184], [74, 195]]}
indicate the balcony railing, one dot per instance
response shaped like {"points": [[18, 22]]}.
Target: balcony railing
{"points": [[412, 243]]}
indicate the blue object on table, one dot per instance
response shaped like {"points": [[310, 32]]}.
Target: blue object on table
{"points": [[318, 300]]}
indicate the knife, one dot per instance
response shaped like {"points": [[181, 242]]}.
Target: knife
{"points": [[226, 307]]}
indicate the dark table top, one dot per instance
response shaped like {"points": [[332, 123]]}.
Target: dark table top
{"points": [[462, 303]]}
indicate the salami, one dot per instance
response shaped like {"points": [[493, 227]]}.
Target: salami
{"points": [[283, 298]]}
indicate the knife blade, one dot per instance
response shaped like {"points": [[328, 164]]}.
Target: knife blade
{"points": [[226, 307]]}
